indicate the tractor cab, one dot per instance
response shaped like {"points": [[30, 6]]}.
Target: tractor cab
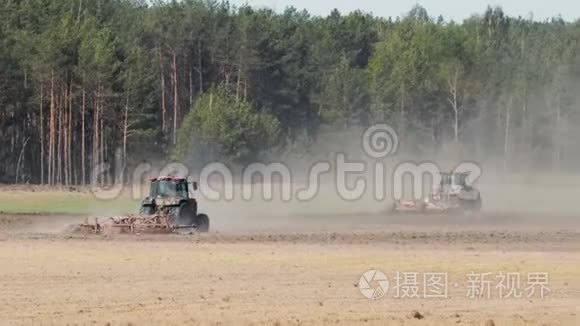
{"points": [[454, 179], [168, 192], [170, 196], [451, 185], [169, 188]]}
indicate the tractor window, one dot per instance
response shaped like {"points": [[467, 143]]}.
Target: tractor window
{"points": [[165, 189], [460, 179], [181, 189], [168, 188], [153, 191], [445, 179]]}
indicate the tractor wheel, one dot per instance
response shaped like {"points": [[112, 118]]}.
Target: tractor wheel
{"points": [[472, 206], [202, 223], [477, 204], [394, 208], [421, 207], [185, 214]]}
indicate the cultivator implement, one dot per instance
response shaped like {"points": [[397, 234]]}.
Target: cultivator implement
{"points": [[157, 223], [168, 208]]}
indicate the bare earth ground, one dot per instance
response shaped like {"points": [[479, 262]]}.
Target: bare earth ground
{"points": [[287, 270]]}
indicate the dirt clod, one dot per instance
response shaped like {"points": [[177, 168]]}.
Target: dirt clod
{"points": [[417, 315]]}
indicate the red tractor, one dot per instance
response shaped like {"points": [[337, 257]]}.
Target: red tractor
{"points": [[452, 194]]}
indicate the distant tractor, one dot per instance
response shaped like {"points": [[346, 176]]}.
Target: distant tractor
{"points": [[168, 208], [452, 194]]}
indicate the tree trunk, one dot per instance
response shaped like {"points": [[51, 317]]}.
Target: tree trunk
{"points": [[190, 87], [102, 144], [507, 136], [456, 125], [51, 128], [199, 66], [556, 133], [526, 137], [59, 141], [434, 131], [527, 134], [402, 124], [83, 140], [20, 159], [95, 159], [70, 132], [102, 147], [163, 108], [125, 131], [65, 135], [239, 81], [453, 90], [41, 135], [175, 99]]}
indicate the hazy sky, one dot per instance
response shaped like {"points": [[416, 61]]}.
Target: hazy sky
{"points": [[450, 9]]}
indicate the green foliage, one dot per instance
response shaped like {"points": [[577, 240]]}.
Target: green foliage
{"points": [[343, 99], [131, 73], [402, 68], [227, 128]]}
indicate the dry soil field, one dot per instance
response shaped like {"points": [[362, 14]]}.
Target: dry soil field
{"points": [[297, 270], [285, 277]]}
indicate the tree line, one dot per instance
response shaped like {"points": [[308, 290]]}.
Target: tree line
{"points": [[90, 83]]}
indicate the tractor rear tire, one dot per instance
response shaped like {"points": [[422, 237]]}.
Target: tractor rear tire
{"points": [[477, 204], [472, 206], [185, 215], [202, 223], [422, 207]]}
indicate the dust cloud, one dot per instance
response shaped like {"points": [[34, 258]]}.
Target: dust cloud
{"points": [[515, 199]]}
